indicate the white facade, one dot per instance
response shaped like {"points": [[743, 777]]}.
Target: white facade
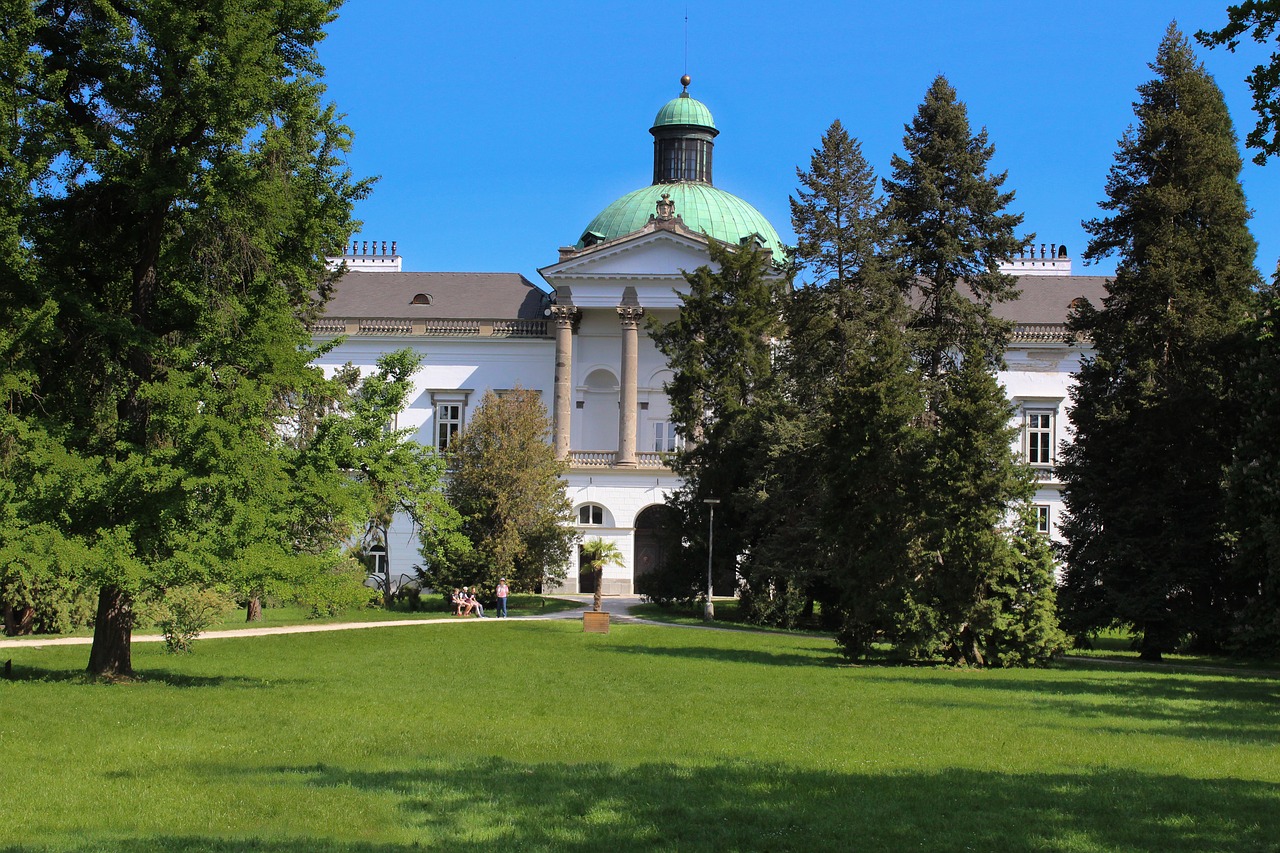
{"points": [[585, 348], [598, 291]]}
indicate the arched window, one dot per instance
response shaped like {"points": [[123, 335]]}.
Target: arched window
{"points": [[421, 299], [591, 515]]}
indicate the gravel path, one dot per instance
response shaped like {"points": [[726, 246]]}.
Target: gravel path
{"points": [[618, 606]]}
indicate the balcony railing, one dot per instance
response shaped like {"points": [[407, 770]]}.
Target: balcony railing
{"points": [[436, 328], [609, 459], [1055, 333], [1045, 474]]}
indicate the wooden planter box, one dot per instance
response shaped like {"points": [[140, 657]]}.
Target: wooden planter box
{"points": [[595, 623]]}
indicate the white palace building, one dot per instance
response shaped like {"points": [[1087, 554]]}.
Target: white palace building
{"points": [[583, 346]]}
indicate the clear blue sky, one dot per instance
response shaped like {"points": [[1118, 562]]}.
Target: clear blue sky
{"points": [[500, 129]]}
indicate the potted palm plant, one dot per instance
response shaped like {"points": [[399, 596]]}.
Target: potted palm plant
{"points": [[594, 556]]}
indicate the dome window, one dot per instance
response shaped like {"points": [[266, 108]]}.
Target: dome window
{"points": [[684, 158], [421, 299]]}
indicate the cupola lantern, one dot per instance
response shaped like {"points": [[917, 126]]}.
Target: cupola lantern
{"points": [[683, 135]]}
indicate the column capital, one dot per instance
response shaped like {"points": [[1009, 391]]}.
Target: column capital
{"points": [[565, 314], [630, 314]]}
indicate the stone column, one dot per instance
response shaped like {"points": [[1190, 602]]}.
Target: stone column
{"points": [[563, 315], [630, 315]]}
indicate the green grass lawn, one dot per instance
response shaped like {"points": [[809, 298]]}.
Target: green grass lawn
{"points": [[536, 736]]}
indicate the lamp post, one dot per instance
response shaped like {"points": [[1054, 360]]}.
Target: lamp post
{"points": [[710, 612]]}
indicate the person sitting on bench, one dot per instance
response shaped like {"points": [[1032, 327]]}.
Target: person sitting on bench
{"points": [[473, 602], [461, 604]]}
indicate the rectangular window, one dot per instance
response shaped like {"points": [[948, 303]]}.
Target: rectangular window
{"points": [[448, 424], [1042, 519], [665, 439], [1039, 438]]}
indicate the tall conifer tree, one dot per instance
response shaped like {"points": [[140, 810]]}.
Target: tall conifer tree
{"points": [[854, 399], [952, 229], [724, 394], [1253, 487], [201, 182], [1153, 409]]}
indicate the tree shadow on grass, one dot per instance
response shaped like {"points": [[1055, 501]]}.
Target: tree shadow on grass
{"points": [[199, 844], [1232, 709], [500, 804], [169, 678]]}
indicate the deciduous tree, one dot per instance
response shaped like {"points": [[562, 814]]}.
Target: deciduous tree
{"points": [[1260, 20], [505, 482], [392, 473]]}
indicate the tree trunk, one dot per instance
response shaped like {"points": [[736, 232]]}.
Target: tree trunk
{"points": [[111, 654], [253, 610], [595, 602], [18, 620], [970, 651], [1153, 642]]}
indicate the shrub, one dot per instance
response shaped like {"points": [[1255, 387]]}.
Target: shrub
{"points": [[186, 611], [339, 588]]}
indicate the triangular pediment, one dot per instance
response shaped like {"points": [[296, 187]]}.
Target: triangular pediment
{"points": [[654, 254]]}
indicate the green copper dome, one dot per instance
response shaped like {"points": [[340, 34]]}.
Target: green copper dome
{"points": [[684, 110], [683, 138], [703, 208]]}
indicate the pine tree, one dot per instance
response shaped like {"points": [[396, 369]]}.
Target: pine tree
{"points": [[837, 213], [724, 392], [1153, 409], [988, 597], [872, 511], [851, 394], [952, 230]]}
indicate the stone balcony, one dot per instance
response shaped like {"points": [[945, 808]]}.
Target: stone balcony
{"points": [[646, 460], [1046, 476], [440, 328]]}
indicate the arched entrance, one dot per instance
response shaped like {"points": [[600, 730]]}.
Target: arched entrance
{"points": [[657, 535]]}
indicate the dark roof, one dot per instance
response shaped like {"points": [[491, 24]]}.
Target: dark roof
{"points": [[1047, 298], [453, 295], [465, 295]]}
